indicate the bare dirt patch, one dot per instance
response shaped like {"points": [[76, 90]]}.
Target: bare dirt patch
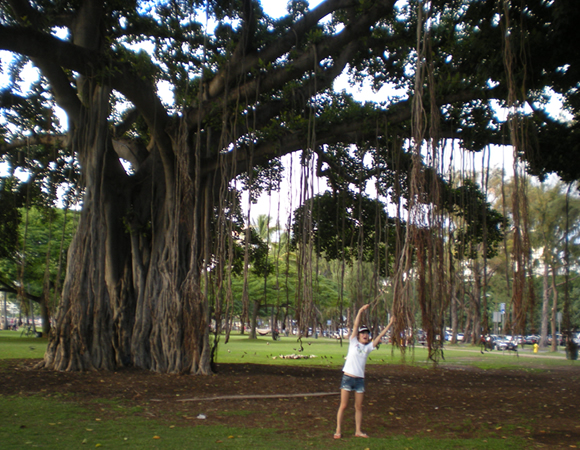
{"points": [[451, 402]]}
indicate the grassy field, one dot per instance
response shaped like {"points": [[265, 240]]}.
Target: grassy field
{"points": [[14, 345], [330, 352], [320, 352], [36, 422], [54, 422]]}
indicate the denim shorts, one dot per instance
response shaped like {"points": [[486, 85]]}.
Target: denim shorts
{"points": [[352, 384]]}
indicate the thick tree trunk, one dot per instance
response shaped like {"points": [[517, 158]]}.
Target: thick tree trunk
{"points": [[90, 322], [83, 337], [171, 331], [132, 295]]}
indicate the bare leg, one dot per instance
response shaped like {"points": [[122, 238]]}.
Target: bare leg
{"points": [[344, 395], [358, 412]]}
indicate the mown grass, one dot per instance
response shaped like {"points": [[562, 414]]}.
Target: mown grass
{"points": [[330, 352], [56, 422], [41, 422], [324, 352], [13, 346]]}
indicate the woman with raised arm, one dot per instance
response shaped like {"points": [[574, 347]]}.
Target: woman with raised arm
{"points": [[353, 375]]}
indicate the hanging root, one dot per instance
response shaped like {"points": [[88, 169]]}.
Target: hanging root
{"points": [[299, 340]]}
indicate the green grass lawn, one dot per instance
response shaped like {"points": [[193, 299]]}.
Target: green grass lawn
{"points": [[321, 352], [53, 422], [40, 422], [13, 346], [330, 352]]}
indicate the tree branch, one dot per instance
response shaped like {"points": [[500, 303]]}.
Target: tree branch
{"points": [[64, 93], [235, 69], [65, 96], [8, 99], [120, 77], [347, 131], [39, 139], [23, 11], [347, 41], [11, 288]]}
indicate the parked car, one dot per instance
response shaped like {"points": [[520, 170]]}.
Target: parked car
{"points": [[459, 337], [506, 343], [532, 339]]}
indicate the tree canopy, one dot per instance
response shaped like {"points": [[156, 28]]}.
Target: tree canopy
{"points": [[160, 178]]}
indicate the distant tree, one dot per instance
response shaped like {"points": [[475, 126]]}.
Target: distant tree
{"points": [[547, 222], [10, 204], [35, 270], [347, 226], [277, 289]]}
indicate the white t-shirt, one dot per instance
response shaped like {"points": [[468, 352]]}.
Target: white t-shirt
{"points": [[356, 358]]}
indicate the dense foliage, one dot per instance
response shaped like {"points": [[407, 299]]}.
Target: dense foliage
{"points": [[160, 176]]}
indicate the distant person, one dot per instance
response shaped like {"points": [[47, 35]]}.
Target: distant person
{"points": [[353, 378]]}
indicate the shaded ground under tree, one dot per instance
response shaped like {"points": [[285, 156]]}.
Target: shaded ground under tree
{"points": [[444, 402]]}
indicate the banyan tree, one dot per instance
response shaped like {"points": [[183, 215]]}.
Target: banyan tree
{"points": [[174, 107]]}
